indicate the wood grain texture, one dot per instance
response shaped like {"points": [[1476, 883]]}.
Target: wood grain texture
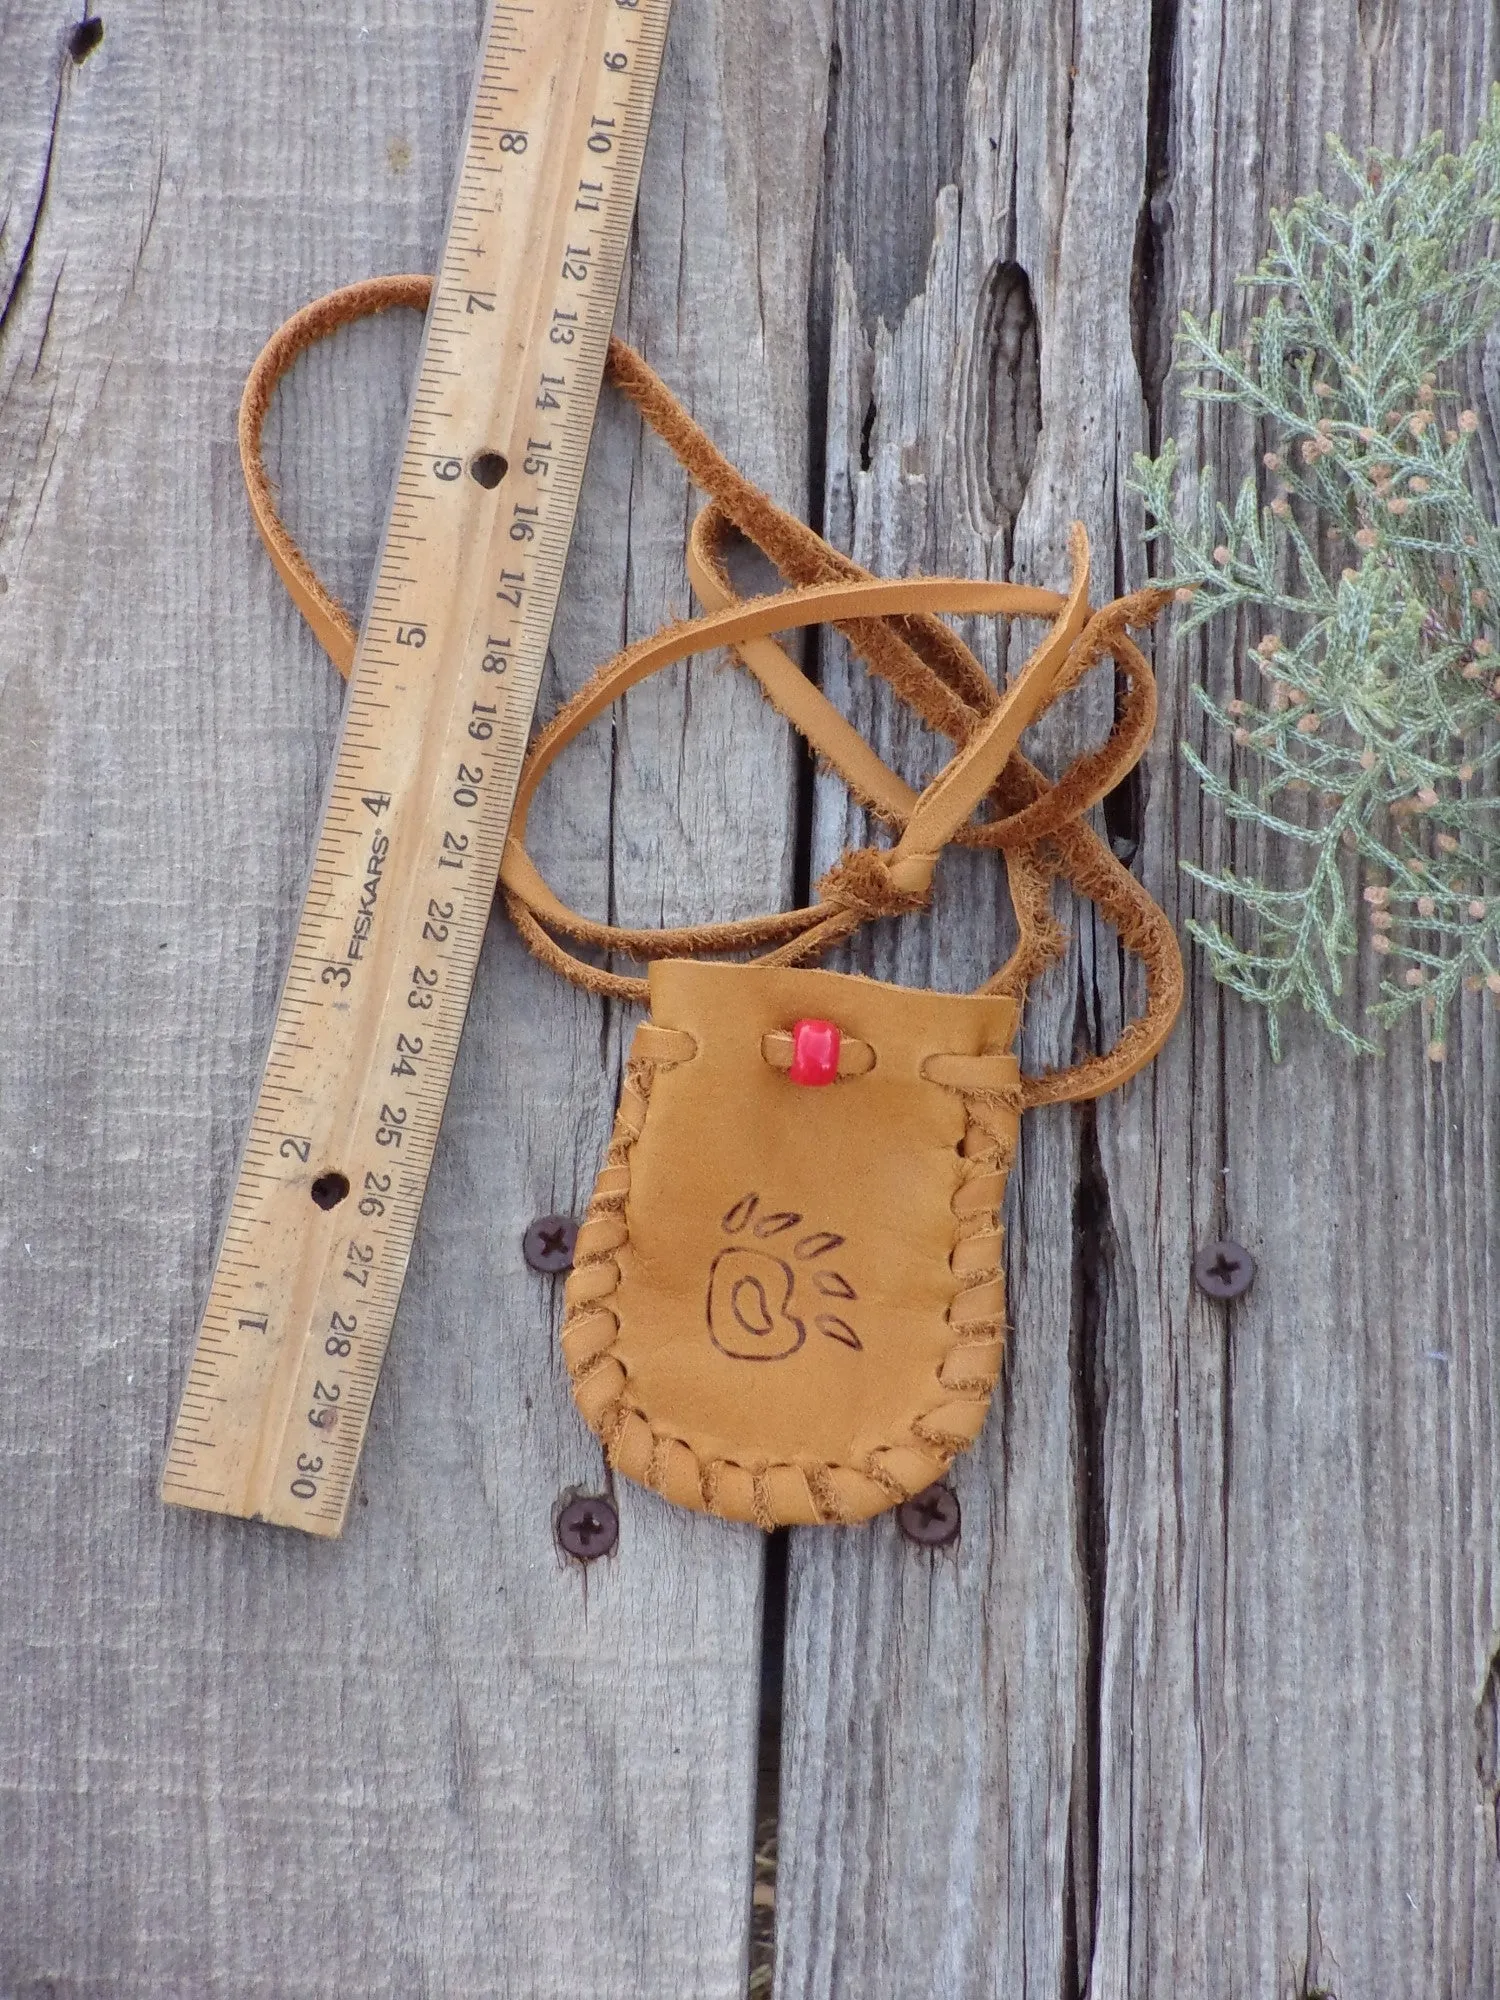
{"points": [[1325, 1571], [429, 1759], [1205, 1701], [1208, 1699]]}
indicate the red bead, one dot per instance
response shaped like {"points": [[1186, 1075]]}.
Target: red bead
{"points": [[815, 1052]]}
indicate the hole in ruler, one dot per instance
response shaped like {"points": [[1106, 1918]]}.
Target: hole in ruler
{"points": [[328, 1190], [488, 467], [85, 38]]}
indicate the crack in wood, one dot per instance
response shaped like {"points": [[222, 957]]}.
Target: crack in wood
{"points": [[1006, 410], [1487, 1740], [1307, 1980], [1094, 1258], [1376, 19], [1150, 288], [28, 248]]}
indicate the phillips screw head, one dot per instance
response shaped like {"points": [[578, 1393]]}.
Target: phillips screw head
{"points": [[587, 1527], [547, 1245], [1224, 1270], [931, 1518]]}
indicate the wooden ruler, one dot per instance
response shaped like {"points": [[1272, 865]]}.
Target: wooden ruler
{"points": [[315, 1246]]}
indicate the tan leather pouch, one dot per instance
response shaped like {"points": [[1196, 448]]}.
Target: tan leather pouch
{"points": [[786, 1302]]}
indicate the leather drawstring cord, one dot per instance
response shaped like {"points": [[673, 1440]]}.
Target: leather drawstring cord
{"points": [[891, 626]]}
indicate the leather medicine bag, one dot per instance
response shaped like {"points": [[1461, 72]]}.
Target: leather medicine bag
{"points": [[786, 1302]]}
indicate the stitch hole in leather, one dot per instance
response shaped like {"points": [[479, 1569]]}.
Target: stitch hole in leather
{"points": [[856, 1058]]}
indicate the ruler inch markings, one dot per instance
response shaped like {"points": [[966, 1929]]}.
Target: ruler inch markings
{"points": [[335, 1163]]}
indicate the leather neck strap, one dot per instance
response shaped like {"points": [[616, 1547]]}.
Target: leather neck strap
{"points": [[891, 625]]}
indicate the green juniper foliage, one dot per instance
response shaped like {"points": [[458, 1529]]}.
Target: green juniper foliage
{"points": [[1365, 578]]}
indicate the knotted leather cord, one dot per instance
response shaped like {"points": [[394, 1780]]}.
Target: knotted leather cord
{"points": [[891, 627]]}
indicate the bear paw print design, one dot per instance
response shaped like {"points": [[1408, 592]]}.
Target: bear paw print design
{"points": [[754, 1295]]}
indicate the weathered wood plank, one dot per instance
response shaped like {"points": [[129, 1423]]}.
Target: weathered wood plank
{"points": [[1193, 1708], [427, 1759], [1300, 1582], [1207, 1699], [955, 1687]]}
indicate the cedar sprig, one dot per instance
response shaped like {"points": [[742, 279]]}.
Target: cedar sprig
{"points": [[1363, 572]]}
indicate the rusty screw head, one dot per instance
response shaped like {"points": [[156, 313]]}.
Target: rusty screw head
{"points": [[587, 1527], [548, 1243], [931, 1518], [1224, 1270]]}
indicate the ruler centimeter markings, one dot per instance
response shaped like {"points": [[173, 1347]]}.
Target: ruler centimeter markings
{"points": [[321, 1223]]}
